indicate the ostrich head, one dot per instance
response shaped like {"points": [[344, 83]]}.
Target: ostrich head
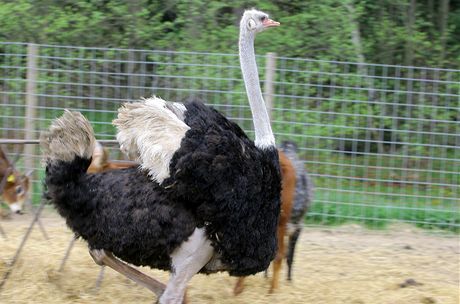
{"points": [[255, 21], [289, 146]]}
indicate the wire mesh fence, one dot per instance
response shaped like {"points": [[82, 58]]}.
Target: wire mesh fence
{"points": [[381, 142]]}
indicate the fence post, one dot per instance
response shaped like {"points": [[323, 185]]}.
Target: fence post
{"points": [[31, 105], [269, 88]]}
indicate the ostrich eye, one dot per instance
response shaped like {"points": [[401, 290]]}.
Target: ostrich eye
{"points": [[263, 18]]}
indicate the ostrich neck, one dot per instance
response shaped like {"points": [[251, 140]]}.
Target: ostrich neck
{"points": [[264, 135]]}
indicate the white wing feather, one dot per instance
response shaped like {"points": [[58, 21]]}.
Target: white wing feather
{"points": [[150, 132]]}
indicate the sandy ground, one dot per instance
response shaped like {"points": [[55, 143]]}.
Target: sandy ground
{"points": [[333, 265]]}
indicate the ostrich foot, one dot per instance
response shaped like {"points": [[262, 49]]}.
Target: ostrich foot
{"points": [[185, 301], [102, 257]]}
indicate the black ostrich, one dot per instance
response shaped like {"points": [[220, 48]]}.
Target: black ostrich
{"points": [[205, 198]]}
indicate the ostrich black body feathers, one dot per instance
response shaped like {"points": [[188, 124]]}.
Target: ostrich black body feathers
{"points": [[122, 211], [218, 180], [236, 188]]}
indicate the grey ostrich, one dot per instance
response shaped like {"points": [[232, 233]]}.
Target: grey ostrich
{"points": [[304, 191]]}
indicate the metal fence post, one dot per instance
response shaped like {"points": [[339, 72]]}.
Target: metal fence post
{"points": [[269, 87], [31, 105]]}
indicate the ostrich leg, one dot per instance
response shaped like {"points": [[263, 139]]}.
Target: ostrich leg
{"points": [[99, 279], [102, 257], [187, 260], [290, 255]]}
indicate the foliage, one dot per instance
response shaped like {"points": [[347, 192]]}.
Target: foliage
{"points": [[389, 117], [314, 29]]}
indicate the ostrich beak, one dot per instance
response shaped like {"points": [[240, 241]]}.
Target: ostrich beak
{"points": [[270, 23]]}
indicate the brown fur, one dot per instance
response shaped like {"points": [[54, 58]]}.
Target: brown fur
{"points": [[15, 185], [287, 197], [100, 161]]}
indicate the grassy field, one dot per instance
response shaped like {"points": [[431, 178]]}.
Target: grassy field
{"points": [[334, 209], [375, 191]]}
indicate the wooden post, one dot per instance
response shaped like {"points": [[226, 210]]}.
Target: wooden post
{"points": [[31, 105], [269, 87]]}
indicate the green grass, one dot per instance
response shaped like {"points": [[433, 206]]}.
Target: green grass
{"points": [[350, 203], [379, 204], [377, 215]]}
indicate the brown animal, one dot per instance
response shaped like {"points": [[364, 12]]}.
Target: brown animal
{"points": [[100, 161], [14, 186], [287, 196]]}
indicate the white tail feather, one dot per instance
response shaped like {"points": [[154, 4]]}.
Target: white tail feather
{"points": [[150, 132], [68, 136]]}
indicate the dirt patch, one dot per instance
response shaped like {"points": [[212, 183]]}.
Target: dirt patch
{"points": [[338, 265]]}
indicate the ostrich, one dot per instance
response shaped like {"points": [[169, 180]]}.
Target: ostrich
{"points": [[205, 199], [296, 197], [304, 194], [288, 178]]}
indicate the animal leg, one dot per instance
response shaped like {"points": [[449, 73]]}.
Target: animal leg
{"points": [[102, 257], [239, 286], [99, 279], [187, 260], [290, 255], [276, 272], [277, 263]]}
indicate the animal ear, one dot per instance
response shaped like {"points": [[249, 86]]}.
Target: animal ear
{"points": [[11, 178], [251, 24]]}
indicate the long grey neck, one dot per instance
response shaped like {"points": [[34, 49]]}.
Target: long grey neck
{"points": [[264, 136]]}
